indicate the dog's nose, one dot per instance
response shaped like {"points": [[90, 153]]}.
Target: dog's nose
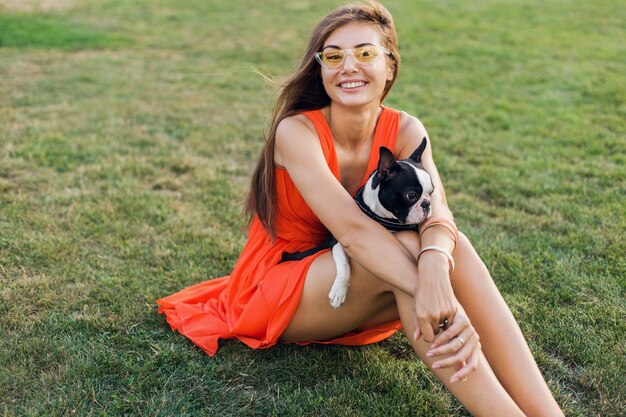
{"points": [[425, 204]]}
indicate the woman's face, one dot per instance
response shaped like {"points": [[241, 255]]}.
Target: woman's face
{"points": [[352, 83]]}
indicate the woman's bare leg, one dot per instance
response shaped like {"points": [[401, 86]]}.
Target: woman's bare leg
{"points": [[481, 394], [368, 299], [501, 338], [316, 319]]}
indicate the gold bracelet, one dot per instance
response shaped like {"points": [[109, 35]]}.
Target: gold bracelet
{"points": [[447, 226], [438, 249], [440, 221]]}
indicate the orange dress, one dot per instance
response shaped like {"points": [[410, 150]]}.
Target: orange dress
{"points": [[256, 302]]}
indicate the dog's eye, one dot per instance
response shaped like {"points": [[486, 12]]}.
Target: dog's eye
{"points": [[412, 196]]}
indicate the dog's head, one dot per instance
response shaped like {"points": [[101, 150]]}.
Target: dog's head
{"points": [[401, 189]]}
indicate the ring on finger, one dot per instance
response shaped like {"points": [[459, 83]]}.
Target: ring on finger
{"points": [[461, 340], [444, 324]]}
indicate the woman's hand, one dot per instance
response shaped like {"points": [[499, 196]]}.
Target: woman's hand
{"points": [[459, 345], [434, 298]]}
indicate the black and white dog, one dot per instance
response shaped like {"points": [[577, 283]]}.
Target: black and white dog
{"points": [[397, 195]]}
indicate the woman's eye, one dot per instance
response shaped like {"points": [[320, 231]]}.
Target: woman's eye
{"points": [[333, 56]]}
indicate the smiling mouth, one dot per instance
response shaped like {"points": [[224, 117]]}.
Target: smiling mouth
{"points": [[354, 84]]}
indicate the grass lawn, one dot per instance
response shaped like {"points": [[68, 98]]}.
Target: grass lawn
{"points": [[128, 132]]}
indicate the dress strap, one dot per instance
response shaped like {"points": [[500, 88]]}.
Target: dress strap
{"points": [[325, 137], [385, 135]]}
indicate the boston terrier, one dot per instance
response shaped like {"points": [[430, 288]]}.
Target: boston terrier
{"points": [[396, 195]]}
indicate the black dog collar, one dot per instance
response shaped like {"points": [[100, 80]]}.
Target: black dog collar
{"points": [[390, 224]]}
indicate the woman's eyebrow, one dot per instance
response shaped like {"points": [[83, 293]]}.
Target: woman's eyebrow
{"points": [[356, 46]]}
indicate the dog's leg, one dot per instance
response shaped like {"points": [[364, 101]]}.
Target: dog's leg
{"points": [[337, 294]]}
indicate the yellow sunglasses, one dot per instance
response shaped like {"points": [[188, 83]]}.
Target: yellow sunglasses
{"points": [[334, 58]]}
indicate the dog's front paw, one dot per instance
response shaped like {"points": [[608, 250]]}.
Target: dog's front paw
{"points": [[337, 294]]}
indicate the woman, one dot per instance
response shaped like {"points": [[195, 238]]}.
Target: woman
{"points": [[327, 127]]}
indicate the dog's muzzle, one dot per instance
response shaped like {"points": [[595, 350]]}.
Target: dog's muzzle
{"points": [[420, 211]]}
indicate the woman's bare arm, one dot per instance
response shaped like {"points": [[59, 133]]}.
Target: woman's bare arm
{"points": [[434, 297], [298, 149]]}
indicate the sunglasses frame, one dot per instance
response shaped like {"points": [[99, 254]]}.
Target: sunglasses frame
{"points": [[318, 56]]}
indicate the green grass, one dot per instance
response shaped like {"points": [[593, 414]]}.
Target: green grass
{"points": [[50, 31], [128, 132]]}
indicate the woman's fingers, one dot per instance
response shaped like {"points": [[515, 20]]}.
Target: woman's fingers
{"points": [[467, 369], [452, 346], [451, 341], [455, 329], [460, 346], [434, 309], [426, 330], [416, 330], [430, 326], [430, 329], [459, 325], [462, 354]]}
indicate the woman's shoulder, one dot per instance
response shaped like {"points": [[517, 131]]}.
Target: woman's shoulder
{"points": [[409, 123], [410, 133], [296, 126], [296, 123]]}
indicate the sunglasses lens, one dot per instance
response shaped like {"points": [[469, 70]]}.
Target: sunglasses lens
{"points": [[332, 58], [366, 54]]}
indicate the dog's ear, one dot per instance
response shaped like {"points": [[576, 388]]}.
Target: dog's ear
{"points": [[417, 154], [385, 163]]}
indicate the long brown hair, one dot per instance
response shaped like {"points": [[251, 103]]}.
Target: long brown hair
{"points": [[304, 91]]}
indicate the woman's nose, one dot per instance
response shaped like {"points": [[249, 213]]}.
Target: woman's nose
{"points": [[349, 63]]}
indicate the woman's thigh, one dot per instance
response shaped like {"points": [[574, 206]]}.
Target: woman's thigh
{"points": [[369, 302], [316, 319]]}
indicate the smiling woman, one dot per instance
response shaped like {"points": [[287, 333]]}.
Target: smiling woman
{"points": [[327, 127], [366, 85]]}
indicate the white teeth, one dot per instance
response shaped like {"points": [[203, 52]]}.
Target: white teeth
{"points": [[353, 84]]}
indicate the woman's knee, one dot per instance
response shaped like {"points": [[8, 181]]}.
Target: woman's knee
{"points": [[467, 260], [464, 249], [410, 240]]}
